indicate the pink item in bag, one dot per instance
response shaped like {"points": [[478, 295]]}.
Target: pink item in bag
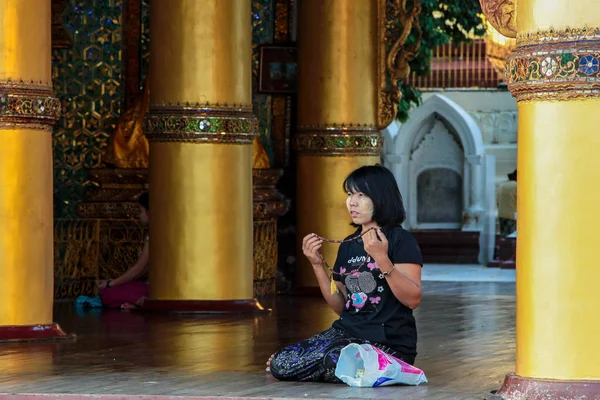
{"points": [[364, 365]]}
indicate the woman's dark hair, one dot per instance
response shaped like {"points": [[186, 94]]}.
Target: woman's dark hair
{"points": [[512, 176], [144, 201], [377, 182]]}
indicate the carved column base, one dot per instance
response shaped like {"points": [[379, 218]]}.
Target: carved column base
{"points": [[250, 306], [30, 333], [516, 388]]}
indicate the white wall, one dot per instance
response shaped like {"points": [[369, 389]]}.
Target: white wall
{"points": [[495, 111]]}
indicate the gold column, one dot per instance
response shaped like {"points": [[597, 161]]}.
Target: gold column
{"points": [[28, 109], [554, 74], [347, 55], [201, 128]]}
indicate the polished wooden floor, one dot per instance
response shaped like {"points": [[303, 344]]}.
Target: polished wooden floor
{"points": [[466, 347]]}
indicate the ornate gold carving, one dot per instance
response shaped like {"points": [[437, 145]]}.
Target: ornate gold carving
{"points": [[114, 193], [201, 124], [339, 142], [558, 35], [502, 15], [269, 205], [85, 250], [555, 70], [395, 22], [106, 245], [265, 258], [282, 21], [29, 105]]}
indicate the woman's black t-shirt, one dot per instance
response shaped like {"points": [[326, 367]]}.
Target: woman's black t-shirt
{"points": [[372, 312]]}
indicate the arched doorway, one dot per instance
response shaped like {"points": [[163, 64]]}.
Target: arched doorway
{"points": [[439, 160]]}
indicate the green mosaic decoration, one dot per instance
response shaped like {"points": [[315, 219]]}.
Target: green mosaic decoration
{"points": [[340, 142], [263, 31], [87, 80], [567, 65], [555, 71], [215, 124]]}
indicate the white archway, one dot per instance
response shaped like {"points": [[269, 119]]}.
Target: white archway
{"points": [[436, 114]]}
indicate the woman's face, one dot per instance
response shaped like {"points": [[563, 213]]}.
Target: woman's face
{"points": [[360, 207]]}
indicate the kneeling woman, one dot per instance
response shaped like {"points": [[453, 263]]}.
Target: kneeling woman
{"points": [[129, 290], [377, 283]]}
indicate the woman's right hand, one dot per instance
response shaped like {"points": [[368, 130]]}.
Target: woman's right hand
{"points": [[311, 244]]}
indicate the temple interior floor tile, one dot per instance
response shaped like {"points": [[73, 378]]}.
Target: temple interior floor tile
{"points": [[467, 273], [467, 345]]}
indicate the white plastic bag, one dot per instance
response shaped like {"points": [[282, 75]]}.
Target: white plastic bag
{"points": [[363, 365]]}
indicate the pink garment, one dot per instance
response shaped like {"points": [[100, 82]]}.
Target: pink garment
{"points": [[131, 292]]}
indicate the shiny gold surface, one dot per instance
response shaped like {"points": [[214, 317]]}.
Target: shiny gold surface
{"points": [[201, 221], [26, 208], [128, 147], [201, 51], [322, 205], [337, 61], [201, 214], [25, 43], [26, 279], [535, 15], [338, 87], [558, 210], [557, 257]]}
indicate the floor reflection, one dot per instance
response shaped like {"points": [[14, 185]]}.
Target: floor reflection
{"points": [[466, 346]]}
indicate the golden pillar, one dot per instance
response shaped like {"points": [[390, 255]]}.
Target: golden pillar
{"points": [[200, 130], [28, 109], [348, 59], [554, 74]]}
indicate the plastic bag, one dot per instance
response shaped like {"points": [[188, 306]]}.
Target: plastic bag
{"points": [[363, 365]]}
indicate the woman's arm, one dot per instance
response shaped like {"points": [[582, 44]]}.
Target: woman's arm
{"points": [[404, 280], [336, 300], [311, 244], [135, 272]]}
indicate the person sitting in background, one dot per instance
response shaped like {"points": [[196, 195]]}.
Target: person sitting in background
{"points": [[507, 205], [129, 290]]}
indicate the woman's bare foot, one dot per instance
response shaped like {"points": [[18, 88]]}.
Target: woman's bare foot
{"points": [[268, 369], [130, 306]]}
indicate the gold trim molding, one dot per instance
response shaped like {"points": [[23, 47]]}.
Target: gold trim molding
{"points": [[333, 142], [201, 124], [558, 35], [28, 105], [395, 22], [555, 65]]}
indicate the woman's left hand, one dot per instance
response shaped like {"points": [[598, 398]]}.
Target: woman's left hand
{"points": [[101, 284], [376, 248]]}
